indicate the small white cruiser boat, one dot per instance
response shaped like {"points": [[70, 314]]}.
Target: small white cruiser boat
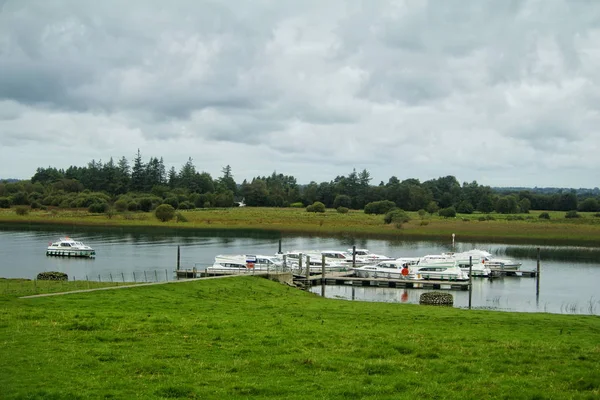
{"points": [[367, 255], [444, 271], [248, 261], [394, 269], [67, 247]]}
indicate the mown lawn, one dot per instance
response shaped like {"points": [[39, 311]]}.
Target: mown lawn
{"points": [[248, 337]]}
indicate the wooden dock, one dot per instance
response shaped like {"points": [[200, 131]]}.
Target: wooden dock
{"points": [[347, 278]]}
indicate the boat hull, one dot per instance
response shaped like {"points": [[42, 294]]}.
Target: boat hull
{"points": [[70, 253]]}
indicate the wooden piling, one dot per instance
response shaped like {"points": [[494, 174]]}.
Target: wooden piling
{"points": [[307, 268], [354, 256], [323, 275], [470, 279], [178, 257], [279, 250], [537, 274]]}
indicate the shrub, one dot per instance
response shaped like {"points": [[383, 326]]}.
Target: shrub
{"points": [[35, 205], [98, 208], [482, 218], [397, 215], [22, 210], [186, 205], [4, 202], [342, 200], [432, 207], [424, 222], [52, 276], [316, 207], [449, 212], [121, 205], [179, 217], [572, 214], [342, 210], [379, 207], [297, 205], [544, 215], [422, 213], [173, 201], [133, 206], [164, 212], [465, 207], [597, 215], [145, 204]]}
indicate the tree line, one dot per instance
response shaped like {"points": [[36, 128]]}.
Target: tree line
{"points": [[143, 185]]}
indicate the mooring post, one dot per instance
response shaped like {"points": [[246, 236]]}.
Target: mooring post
{"points": [[470, 279], [323, 275], [178, 257], [279, 251], [537, 274], [285, 262], [354, 256], [307, 269], [300, 265]]}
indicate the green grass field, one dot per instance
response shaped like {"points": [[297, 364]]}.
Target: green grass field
{"points": [[248, 337], [523, 228]]}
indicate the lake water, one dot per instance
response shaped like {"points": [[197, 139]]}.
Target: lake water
{"points": [[149, 254]]}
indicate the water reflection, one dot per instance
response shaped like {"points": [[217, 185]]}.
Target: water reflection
{"points": [[568, 286]]}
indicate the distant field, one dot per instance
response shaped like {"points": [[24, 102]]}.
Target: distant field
{"points": [[247, 337], [520, 228]]}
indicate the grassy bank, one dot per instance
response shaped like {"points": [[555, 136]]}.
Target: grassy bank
{"points": [[249, 337], [492, 227]]}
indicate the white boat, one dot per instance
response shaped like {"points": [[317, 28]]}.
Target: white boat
{"points": [[472, 261], [393, 269], [493, 262], [334, 260], [443, 271], [367, 255], [227, 267], [66, 247], [251, 261]]}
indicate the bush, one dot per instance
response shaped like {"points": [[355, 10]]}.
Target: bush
{"points": [[316, 207], [52, 276], [186, 205], [572, 214], [342, 210], [133, 206], [432, 207], [173, 201], [4, 202], [449, 212], [98, 208], [379, 207], [179, 217], [342, 200], [544, 215], [164, 212], [597, 215], [422, 213], [397, 216], [22, 210], [121, 205], [297, 205], [465, 207], [35, 205]]}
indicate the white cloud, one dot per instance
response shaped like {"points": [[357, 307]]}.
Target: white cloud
{"points": [[505, 93]]}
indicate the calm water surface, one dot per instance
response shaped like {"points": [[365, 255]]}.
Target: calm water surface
{"points": [[565, 287]]}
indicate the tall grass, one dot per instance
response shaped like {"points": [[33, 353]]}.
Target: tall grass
{"points": [[248, 337], [493, 227]]}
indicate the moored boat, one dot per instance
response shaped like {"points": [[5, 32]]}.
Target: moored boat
{"points": [[66, 247], [392, 269]]}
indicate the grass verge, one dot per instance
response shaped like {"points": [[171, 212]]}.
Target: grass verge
{"points": [[248, 337]]}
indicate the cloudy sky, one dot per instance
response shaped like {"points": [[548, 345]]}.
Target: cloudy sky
{"points": [[502, 92]]}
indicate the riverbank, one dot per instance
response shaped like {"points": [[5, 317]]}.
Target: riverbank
{"points": [[250, 337], [523, 228]]}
